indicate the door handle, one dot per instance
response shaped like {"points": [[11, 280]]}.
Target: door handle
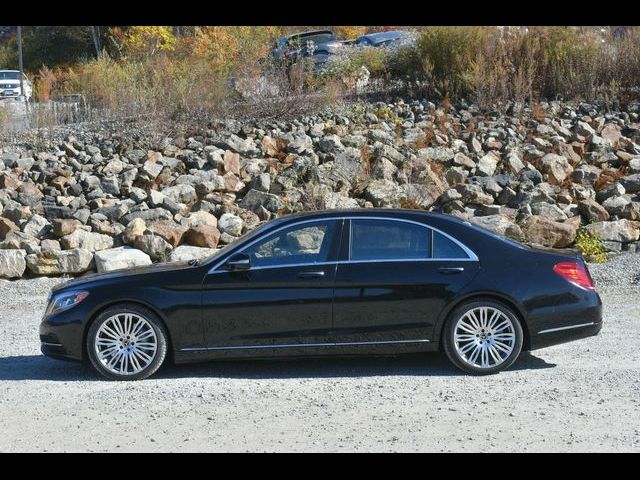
{"points": [[451, 270], [317, 274]]}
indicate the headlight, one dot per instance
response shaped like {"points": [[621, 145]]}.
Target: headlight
{"points": [[64, 301]]}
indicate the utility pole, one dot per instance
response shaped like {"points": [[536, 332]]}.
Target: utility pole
{"points": [[20, 66], [95, 34]]}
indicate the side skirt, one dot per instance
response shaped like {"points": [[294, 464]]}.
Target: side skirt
{"points": [[392, 347]]}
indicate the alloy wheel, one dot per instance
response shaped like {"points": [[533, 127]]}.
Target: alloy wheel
{"points": [[484, 337], [126, 344]]}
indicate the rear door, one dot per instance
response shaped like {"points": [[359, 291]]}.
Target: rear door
{"points": [[397, 277]]}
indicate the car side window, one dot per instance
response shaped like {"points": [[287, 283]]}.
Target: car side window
{"points": [[444, 247], [389, 240], [306, 243]]}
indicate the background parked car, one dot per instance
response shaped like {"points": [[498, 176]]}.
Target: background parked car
{"points": [[384, 39], [318, 45], [10, 84]]}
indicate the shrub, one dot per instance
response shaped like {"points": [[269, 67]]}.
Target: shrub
{"points": [[590, 246]]}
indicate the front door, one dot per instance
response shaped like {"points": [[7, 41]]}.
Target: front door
{"points": [[284, 297]]}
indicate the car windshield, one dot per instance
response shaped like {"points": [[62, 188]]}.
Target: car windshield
{"points": [[9, 75]]}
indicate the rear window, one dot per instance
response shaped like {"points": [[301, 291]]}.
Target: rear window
{"points": [[389, 240]]}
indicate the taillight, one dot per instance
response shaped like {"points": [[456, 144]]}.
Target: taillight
{"points": [[575, 272]]}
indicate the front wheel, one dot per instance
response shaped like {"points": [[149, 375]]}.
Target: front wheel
{"points": [[127, 342], [483, 337]]}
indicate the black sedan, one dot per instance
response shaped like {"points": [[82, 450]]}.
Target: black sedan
{"points": [[374, 281]]}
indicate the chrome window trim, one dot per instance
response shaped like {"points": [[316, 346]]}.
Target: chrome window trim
{"points": [[570, 327], [472, 257], [297, 345]]}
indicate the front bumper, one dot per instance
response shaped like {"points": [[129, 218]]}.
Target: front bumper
{"points": [[61, 335]]}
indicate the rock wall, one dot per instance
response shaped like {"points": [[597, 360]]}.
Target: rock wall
{"points": [[103, 198]]}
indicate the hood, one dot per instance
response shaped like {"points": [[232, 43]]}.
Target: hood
{"points": [[79, 282]]}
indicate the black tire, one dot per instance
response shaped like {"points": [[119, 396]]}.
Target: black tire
{"points": [[456, 357], [152, 319]]}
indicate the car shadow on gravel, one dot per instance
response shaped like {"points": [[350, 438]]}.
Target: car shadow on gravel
{"points": [[39, 367]]}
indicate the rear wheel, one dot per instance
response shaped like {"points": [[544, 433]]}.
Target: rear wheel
{"points": [[483, 337], [127, 342]]}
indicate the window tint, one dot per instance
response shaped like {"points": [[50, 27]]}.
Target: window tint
{"points": [[307, 243], [446, 248], [388, 240]]}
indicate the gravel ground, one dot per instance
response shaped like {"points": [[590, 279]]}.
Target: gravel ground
{"points": [[580, 396]]}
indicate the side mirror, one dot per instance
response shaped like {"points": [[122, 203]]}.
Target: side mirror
{"points": [[238, 262]]}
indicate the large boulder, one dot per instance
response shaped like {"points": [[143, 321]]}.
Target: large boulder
{"points": [[12, 263], [254, 199], [87, 240], [542, 231], [203, 236], [185, 253], [383, 193], [153, 245], [230, 224], [171, 231], [622, 231], [592, 211], [37, 226], [65, 226], [556, 166], [487, 164], [120, 258], [499, 225], [58, 262]]}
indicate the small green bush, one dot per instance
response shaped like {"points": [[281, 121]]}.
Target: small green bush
{"points": [[591, 246]]}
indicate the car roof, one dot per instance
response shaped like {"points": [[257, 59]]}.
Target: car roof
{"points": [[369, 212]]}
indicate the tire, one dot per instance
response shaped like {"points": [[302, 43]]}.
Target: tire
{"points": [[127, 342], [487, 327]]}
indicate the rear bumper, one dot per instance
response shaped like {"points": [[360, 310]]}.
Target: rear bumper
{"points": [[567, 326], [555, 337]]}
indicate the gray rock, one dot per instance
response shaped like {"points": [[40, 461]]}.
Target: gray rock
{"points": [[230, 224], [556, 166], [153, 245], [58, 262], [499, 225], [90, 241], [185, 253], [383, 193], [37, 226], [12, 263], [254, 199], [487, 164], [616, 231], [120, 258]]}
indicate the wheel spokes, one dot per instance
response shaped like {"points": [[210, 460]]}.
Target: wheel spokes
{"points": [[126, 344], [484, 337]]}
